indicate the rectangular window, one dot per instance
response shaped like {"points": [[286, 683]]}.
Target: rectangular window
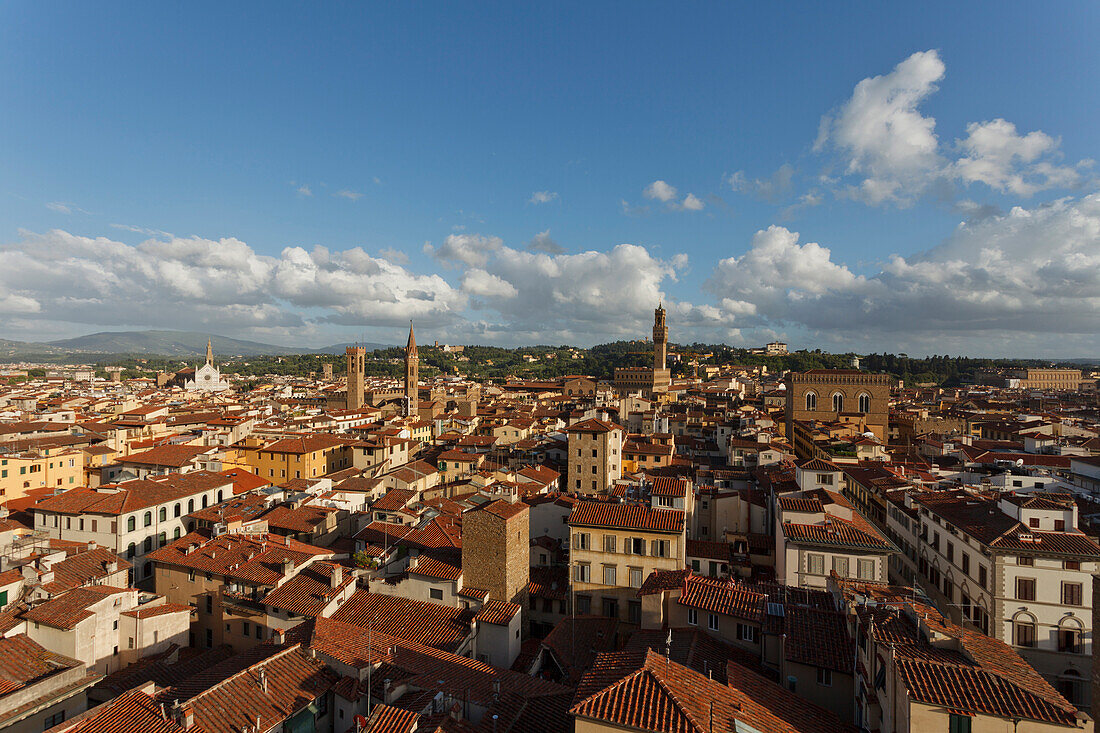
{"points": [[693, 617], [581, 540], [746, 633], [1025, 589], [959, 723], [712, 622], [840, 565], [815, 564], [1071, 594], [659, 548], [609, 575], [436, 594], [825, 677], [982, 576], [584, 605], [1059, 525], [634, 611], [1071, 565], [1025, 561], [966, 563], [636, 546], [866, 569], [635, 577], [582, 573], [609, 543], [245, 628]]}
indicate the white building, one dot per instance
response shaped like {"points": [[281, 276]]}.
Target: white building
{"points": [[207, 377]]}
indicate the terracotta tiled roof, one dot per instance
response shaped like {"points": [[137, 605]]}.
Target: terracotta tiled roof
{"points": [[497, 613], [430, 624], [176, 456], [310, 590], [84, 568], [69, 609], [253, 558], [131, 711], [626, 516], [727, 597]]}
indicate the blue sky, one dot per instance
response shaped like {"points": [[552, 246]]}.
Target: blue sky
{"points": [[180, 166]]}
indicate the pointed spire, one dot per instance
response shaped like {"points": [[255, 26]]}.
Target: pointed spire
{"points": [[209, 351], [412, 339]]}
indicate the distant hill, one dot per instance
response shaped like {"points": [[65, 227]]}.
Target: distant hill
{"points": [[166, 343]]}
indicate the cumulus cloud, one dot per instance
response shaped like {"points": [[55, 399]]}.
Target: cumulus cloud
{"points": [[889, 153], [1028, 271], [466, 249], [395, 256], [667, 194], [882, 135], [186, 282], [348, 194], [481, 283], [305, 190], [542, 242], [660, 191], [691, 202], [996, 155], [542, 197]]}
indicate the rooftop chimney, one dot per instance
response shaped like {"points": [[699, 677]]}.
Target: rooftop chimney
{"points": [[183, 715], [337, 577]]}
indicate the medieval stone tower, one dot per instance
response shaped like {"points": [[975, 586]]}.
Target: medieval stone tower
{"points": [[412, 375], [660, 339], [356, 357]]}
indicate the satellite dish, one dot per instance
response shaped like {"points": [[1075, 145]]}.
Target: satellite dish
{"points": [[783, 386], [1019, 462]]}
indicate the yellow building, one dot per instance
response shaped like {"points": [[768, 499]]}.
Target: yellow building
{"points": [[307, 456], [49, 467], [614, 548]]}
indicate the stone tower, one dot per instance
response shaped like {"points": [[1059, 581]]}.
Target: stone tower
{"points": [[496, 550], [210, 351], [326, 370], [660, 339], [412, 375], [356, 357]]}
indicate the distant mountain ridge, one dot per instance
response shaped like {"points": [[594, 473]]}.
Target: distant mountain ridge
{"points": [[160, 343]]}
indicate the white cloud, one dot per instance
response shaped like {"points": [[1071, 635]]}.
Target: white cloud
{"points": [[881, 134], [395, 256], [305, 190], [996, 155], [542, 197], [660, 191], [348, 194], [59, 207], [542, 242], [481, 283], [691, 202], [467, 249], [1031, 271], [889, 152]]}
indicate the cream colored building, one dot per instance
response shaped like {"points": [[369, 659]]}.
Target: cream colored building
{"points": [[595, 456], [614, 548]]}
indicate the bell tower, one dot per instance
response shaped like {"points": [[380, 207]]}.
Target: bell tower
{"points": [[412, 375], [660, 338], [356, 358]]}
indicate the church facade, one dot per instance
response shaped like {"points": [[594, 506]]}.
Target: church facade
{"points": [[208, 378]]}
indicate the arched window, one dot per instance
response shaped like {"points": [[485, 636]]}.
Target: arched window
{"points": [[131, 550], [1069, 684], [176, 510], [176, 534], [1069, 636], [204, 501], [811, 401], [190, 505], [148, 545], [219, 494], [838, 402], [1023, 630], [131, 525], [148, 519], [864, 402], [163, 513]]}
